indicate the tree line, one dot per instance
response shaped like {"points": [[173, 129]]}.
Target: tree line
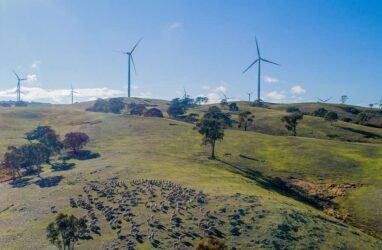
{"points": [[43, 143]]}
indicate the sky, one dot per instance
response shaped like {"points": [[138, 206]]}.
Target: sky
{"points": [[325, 48]]}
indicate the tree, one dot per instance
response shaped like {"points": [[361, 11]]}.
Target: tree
{"points": [[12, 161], [293, 110], [100, 105], [233, 107], [321, 112], [291, 121], [200, 99], [177, 107], [331, 117], [75, 141], [344, 99], [34, 155], [65, 231], [216, 113], [223, 102], [116, 105], [154, 112], [245, 119], [363, 117], [212, 129], [47, 136], [137, 109]]}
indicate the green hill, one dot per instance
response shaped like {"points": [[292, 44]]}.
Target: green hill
{"points": [[246, 181]]}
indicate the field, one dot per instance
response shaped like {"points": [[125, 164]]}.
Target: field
{"points": [[249, 167]]}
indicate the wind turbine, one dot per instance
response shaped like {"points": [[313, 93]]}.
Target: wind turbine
{"points": [[130, 61], [72, 92], [249, 95], [323, 101], [258, 60], [18, 89]]}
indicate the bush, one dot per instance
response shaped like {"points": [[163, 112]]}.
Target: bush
{"points": [[351, 110], [331, 117], [100, 105], [347, 119], [293, 110], [137, 109], [191, 118], [233, 107], [116, 105], [154, 112], [211, 244], [321, 112]]}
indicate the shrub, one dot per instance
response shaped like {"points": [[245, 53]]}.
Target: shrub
{"points": [[293, 110], [191, 118], [100, 105], [116, 105], [331, 117], [321, 112], [351, 110], [154, 112], [347, 119], [137, 109], [233, 107]]}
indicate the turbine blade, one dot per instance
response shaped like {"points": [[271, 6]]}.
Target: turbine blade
{"points": [[120, 51], [250, 66], [16, 75], [136, 45], [23, 79], [132, 60], [257, 47], [262, 59]]}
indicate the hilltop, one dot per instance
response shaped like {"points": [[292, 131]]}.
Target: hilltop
{"points": [[284, 183]]}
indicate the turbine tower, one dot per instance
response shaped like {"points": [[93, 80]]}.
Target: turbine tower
{"points": [[249, 95], [72, 92], [258, 60], [130, 61], [18, 89]]}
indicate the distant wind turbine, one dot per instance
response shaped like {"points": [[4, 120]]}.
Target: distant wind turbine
{"points": [[258, 60], [249, 95], [323, 101], [72, 92], [130, 61], [18, 89]]}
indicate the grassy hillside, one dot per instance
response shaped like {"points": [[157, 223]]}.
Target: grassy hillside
{"points": [[136, 147]]}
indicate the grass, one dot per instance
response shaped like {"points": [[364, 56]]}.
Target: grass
{"points": [[138, 147]]}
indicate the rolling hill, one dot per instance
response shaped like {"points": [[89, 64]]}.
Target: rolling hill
{"points": [[277, 185]]}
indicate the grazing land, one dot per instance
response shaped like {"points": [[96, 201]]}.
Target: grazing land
{"points": [[267, 189]]}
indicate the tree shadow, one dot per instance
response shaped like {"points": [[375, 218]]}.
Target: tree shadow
{"points": [[366, 134], [276, 184], [62, 166], [22, 182], [49, 181], [81, 155]]}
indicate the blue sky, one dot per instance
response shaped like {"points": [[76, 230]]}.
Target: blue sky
{"points": [[325, 48]]}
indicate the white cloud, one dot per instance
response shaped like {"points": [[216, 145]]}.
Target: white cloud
{"points": [[59, 95], [205, 87], [134, 86], [176, 25], [298, 90], [221, 88], [213, 98], [147, 94], [275, 96], [32, 80], [270, 79], [36, 65]]}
